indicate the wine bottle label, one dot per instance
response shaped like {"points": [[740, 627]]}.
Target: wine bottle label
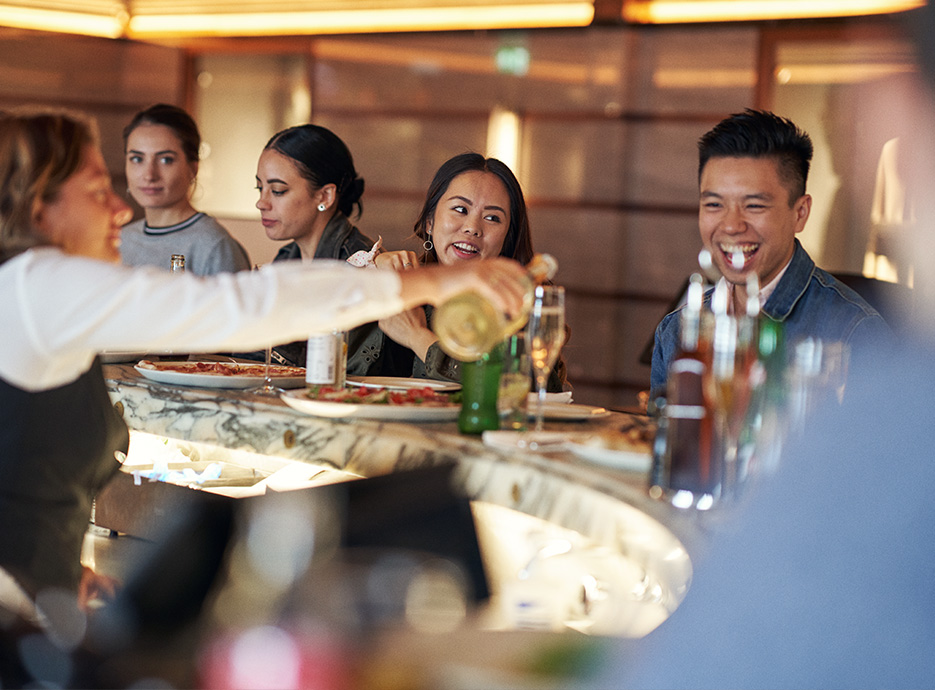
{"points": [[325, 361]]}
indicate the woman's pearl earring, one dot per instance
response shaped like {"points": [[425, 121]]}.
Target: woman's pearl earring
{"points": [[322, 207]]}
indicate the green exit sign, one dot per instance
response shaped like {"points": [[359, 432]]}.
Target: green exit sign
{"points": [[513, 60]]}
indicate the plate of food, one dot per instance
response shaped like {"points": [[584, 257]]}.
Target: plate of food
{"points": [[615, 450], [402, 383], [219, 374], [412, 405]]}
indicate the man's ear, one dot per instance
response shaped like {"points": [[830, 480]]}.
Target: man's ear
{"points": [[803, 207]]}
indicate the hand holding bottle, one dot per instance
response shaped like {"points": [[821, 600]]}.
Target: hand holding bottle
{"points": [[474, 321]]}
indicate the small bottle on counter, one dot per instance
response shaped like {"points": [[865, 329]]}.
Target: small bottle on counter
{"points": [[687, 467], [177, 264], [480, 386], [326, 360]]}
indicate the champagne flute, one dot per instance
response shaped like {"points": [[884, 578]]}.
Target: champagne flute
{"points": [[545, 335]]}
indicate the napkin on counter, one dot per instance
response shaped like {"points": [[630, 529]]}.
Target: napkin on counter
{"points": [[563, 397]]}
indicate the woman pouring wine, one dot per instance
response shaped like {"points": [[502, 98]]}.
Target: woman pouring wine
{"points": [[67, 297]]}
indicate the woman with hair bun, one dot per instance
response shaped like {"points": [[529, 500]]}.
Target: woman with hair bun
{"points": [[161, 145], [308, 192]]}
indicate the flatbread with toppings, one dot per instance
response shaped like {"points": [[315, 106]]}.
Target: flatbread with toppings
{"points": [[425, 397], [222, 368]]}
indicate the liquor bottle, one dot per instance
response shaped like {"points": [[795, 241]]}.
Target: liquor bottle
{"points": [[468, 325], [744, 416], [177, 263], [480, 386], [688, 474], [768, 415]]}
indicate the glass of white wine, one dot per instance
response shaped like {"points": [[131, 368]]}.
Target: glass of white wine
{"points": [[545, 335], [515, 382]]}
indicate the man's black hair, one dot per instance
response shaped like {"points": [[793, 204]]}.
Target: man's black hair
{"points": [[761, 134]]}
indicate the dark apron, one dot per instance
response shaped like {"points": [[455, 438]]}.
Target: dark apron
{"points": [[56, 452]]}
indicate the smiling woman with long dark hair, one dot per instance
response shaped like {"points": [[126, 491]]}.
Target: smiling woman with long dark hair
{"points": [[474, 209]]}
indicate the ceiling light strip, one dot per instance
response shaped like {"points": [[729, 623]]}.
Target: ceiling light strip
{"points": [[363, 21], [107, 26], [687, 11]]}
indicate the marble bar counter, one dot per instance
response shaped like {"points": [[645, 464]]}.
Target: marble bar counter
{"points": [[608, 507]]}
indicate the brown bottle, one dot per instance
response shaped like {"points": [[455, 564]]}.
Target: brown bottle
{"points": [[689, 473]]}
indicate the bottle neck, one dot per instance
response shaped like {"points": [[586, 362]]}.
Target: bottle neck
{"points": [[690, 331]]}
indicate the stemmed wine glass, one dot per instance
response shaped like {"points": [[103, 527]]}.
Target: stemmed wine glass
{"points": [[267, 388], [545, 335]]}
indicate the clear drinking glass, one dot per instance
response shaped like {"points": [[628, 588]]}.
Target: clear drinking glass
{"points": [[267, 388], [545, 335], [515, 382]]}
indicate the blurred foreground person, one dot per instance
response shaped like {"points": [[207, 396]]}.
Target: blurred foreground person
{"points": [[67, 298], [162, 149], [824, 578]]}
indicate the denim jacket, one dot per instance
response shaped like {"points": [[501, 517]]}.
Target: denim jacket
{"points": [[809, 302]]}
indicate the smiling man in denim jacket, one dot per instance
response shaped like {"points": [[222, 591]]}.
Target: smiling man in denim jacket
{"points": [[752, 171]]}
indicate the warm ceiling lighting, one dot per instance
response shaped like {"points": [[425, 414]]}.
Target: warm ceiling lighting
{"points": [[164, 19], [414, 18], [100, 19], [687, 11]]}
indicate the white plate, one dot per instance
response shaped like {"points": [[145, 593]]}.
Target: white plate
{"points": [[202, 380], [298, 400], [402, 384], [567, 411], [563, 397], [632, 460]]}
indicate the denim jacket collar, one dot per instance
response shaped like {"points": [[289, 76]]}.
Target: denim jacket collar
{"points": [[792, 286]]}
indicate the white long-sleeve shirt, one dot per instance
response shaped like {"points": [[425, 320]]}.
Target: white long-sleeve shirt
{"points": [[58, 311]]}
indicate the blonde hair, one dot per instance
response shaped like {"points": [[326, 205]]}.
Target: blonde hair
{"points": [[39, 151]]}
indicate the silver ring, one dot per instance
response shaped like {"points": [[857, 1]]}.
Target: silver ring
{"points": [[406, 265]]}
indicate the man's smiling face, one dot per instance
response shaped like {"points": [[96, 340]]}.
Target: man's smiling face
{"points": [[745, 207]]}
